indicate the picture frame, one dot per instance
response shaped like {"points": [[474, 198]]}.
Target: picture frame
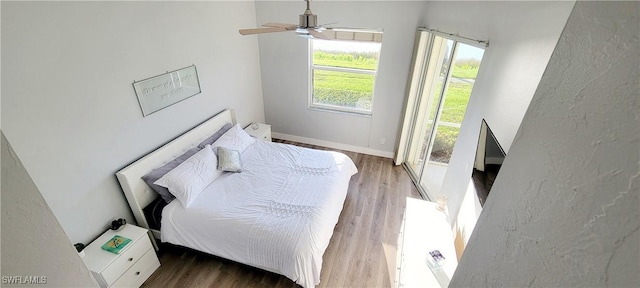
{"points": [[161, 91]]}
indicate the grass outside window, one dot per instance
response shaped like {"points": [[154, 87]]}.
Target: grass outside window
{"points": [[343, 75]]}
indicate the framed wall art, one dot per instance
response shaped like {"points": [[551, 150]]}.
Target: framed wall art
{"points": [[161, 91]]}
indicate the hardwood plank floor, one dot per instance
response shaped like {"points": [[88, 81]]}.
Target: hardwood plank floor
{"points": [[362, 251]]}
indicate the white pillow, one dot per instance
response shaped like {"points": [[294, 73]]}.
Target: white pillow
{"points": [[235, 139], [188, 179]]}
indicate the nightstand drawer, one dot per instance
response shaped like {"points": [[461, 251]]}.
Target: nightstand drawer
{"points": [[140, 271], [266, 138], [126, 260]]}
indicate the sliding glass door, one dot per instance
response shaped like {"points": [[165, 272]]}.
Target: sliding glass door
{"points": [[446, 78]]}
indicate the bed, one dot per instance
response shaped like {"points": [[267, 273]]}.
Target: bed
{"points": [[277, 214]]}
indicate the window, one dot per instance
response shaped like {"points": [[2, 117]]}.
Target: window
{"points": [[343, 71]]}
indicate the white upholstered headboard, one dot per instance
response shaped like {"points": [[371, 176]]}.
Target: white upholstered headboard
{"points": [[138, 193]]}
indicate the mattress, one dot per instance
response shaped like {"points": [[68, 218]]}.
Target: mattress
{"points": [[278, 214]]}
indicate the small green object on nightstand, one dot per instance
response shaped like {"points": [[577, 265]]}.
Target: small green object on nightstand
{"points": [[116, 244]]}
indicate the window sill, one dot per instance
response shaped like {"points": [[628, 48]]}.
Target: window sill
{"points": [[345, 112]]}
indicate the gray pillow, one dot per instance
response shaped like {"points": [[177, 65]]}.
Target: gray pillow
{"points": [[215, 136], [229, 160], [157, 173]]}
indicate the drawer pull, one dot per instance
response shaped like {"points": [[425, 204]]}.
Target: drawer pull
{"points": [[130, 259], [137, 273]]}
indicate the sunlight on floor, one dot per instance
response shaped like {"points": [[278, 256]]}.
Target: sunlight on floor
{"points": [[425, 229], [391, 254]]}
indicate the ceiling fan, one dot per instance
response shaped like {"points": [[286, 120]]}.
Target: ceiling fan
{"points": [[307, 27]]}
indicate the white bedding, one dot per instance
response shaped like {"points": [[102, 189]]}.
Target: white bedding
{"points": [[277, 215]]}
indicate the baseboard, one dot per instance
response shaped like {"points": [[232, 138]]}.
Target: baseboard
{"points": [[334, 145]]}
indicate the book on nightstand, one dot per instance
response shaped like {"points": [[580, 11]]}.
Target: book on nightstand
{"points": [[116, 244]]}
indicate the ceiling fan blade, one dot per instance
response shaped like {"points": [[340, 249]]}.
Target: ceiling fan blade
{"points": [[348, 29], [261, 30], [318, 35], [327, 24], [281, 25]]}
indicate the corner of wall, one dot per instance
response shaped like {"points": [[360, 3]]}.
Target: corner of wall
{"points": [[33, 242]]}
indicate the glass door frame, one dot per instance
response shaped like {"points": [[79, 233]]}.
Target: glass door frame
{"points": [[410, 149], [417, 176]]}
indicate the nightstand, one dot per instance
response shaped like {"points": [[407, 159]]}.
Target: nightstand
{"points": [[131, 267], [263, 132]]}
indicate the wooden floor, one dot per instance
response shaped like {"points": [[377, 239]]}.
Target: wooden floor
{"points": [[362, 251]]}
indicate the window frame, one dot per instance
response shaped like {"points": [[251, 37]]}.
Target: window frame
{"points": [[337, 108]]}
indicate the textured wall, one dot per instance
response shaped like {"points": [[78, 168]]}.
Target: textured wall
{"points": [[70, 111], [564, 208], [522, 36], [33, 242]]}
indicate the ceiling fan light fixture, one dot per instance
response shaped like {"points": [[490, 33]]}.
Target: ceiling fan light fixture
{"points": [[303, 33]]}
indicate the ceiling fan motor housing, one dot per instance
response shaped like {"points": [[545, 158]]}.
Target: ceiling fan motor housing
{"points": [[308, 20]]}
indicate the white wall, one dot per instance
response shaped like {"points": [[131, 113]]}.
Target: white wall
{"points": [[522, 37], [33, 242], [284, 65], [68, 105], [565, 206]]}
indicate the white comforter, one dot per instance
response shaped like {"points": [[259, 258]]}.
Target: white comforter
{"points": [[277, 215]]}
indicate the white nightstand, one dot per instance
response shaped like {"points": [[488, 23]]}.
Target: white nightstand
{"points": [[131, 267], [263, 132]]}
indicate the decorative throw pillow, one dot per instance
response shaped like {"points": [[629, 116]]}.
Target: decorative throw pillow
{"points": [[229, 160], [235, 139], [191, 177], [157, 173], [215, 136]]}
